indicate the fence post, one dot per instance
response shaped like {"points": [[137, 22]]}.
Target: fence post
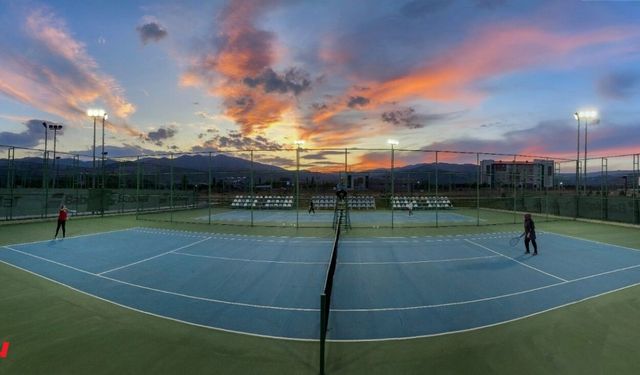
{"points": [[171, 187], [11, 178], [437, 187], [209, 189], [478, 191], [253, 198], [137, 187], [76, 180], [515, 189]]}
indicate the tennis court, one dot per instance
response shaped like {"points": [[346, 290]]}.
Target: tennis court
{"points": [[384, 287]]}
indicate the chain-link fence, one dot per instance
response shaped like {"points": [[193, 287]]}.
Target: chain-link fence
{"points": [[297, 187]]}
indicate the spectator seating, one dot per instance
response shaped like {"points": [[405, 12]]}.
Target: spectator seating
{"points": [[262, 202], [421, 202], [355, 202]]}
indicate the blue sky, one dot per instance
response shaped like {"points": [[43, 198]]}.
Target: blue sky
{"points": [[466, 75]]}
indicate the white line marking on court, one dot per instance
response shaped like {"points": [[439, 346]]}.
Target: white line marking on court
{"points": [[71, 237], [248, 260], [488, 325], [489, 298], [165, 291], [153, 257], [50, 260], [517, 261], [594, 241], [420, 261], [157, 315]]}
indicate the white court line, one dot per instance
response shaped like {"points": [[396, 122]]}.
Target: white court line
{"points": [[153, 257], [157, 315], [165, 291], [340, 263], [487, 325], [517, 261], [71, 237], [420, 261], [593, 241], [489, 298], [248, 260]]}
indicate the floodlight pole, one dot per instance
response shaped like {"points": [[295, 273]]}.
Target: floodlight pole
{"points": [[299, 145], [55, 129], [95, 113], [45, 176], [584, 182], [55, 137], [577, 117], [298, 186], [392, 143], [102, 200], [94, 153]]}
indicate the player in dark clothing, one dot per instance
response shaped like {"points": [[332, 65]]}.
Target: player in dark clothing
{"points": [[530, 234], [341, 194], [312, 207], [62, 220]]}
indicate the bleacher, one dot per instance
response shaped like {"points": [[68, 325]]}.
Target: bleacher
{"points": [[263, 202], [362, 202], [324, 202], [421, 202], [355, 202]]}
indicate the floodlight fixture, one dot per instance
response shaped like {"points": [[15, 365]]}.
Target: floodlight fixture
{"points": [[393, 142], [588, 115], [96, 112]]}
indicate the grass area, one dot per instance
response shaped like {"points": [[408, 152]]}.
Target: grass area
{"points": [[55, 330]]}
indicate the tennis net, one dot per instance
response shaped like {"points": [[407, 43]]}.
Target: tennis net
{"points": [[325, 297]]}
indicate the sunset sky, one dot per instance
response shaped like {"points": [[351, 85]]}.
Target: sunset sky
{"points": [[466, 75]]}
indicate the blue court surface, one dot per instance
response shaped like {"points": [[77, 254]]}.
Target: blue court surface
{"points": [[385, 288], [359, 218]]}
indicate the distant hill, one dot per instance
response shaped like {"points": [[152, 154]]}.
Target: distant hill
{"points": [[225, 166]]}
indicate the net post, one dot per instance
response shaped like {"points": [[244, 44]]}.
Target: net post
{"points": [[323, 330]]}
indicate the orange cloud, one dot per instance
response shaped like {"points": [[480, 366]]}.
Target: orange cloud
{"points": [[63, 80], [493, 52], [243, 52]]}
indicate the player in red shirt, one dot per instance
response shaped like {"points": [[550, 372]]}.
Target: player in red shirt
{"points": [[62, 220]]}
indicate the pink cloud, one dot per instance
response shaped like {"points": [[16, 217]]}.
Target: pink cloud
{"points": [[63, 80], [243, 53], [492, 52]]}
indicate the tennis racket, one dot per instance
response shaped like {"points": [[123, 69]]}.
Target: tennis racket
{"points": [[514, 241]]}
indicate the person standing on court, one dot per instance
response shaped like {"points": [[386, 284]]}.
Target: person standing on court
{"points": [[62, 220], [312, 208], [530, 234], [410, 208]]}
